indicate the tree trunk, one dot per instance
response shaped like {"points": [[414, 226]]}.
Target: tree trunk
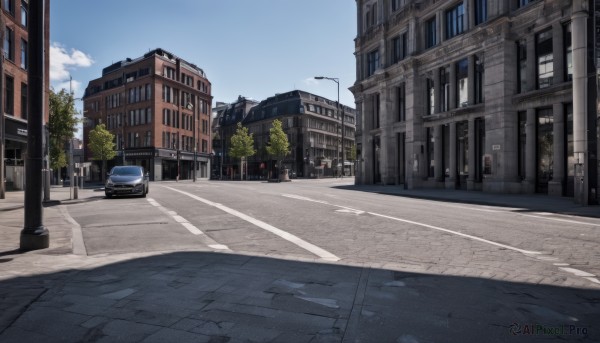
{"points": [[241, 169], [103, 170]]}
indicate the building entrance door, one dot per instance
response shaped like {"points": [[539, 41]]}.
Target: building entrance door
{"points": [[545, 149]]}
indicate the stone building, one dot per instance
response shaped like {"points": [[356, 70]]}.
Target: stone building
{"points": [[158, 107], [312, 125], [314, 129], [14, 76], [498, 96]]}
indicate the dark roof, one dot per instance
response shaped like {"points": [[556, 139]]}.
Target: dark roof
{"points": [[278, 105]]}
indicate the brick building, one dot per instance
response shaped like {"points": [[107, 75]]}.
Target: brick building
{"points": [[478, 95], [158, 107], [14, 81]]}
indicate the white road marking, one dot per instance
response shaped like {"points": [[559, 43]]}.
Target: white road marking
{"points": [[191, 228], [322, 253], [577, 272], [343, 208], [77, 235], [526, 252]]}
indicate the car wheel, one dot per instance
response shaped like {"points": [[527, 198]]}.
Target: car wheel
{"points": [[144, 192], [147, 189], [108, 196]]}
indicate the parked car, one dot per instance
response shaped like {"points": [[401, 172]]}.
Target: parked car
{"points": [[126, 180]]}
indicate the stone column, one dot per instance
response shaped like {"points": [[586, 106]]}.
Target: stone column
{"points": [[470, 17], [451, 182], [580, 98], [472, 158], [555, 186], [387, 146], [367, 140], [530, 152], [438, 154]]}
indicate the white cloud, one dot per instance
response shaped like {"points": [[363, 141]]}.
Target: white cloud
{"points": [[63, 60], [311, 81]]}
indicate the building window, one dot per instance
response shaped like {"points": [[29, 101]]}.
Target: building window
{"points": [[455, 21], [462, 147], [522, 66], [24, 13], [9, 95], [395, 5], [24, 61], [9, 44], [430, 97], [444, 89], [430, 33], [480, 11], [148, 140], [568, 53], [401, 96], [399, 48], [373, 62], [544, 58], [9, 6], [525, 2], [371, 15], [24, 110], [478, 82], [376, 111], [462, 83]]}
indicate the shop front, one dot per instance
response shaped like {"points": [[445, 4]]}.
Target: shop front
{"points": [[15, 151]]}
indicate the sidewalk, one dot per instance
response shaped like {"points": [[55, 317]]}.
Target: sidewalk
{"points": [[53, 295], [520, 202]]}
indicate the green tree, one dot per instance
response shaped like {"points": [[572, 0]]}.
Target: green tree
{"points": [[278, 145], [61, 125], [102, 146], [352, 153], [242, 146]]}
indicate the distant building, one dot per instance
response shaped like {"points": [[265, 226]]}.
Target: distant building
{"points": [[314, 132], [14, 92], [158, 106], [478, 95], [227, 118]]}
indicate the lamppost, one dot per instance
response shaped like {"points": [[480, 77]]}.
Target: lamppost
{"points": [[337, 81]]}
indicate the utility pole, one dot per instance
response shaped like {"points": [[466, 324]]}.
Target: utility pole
{"points": [[2, 129], [34, 235]]}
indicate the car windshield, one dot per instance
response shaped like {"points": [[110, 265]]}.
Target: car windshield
{"points": [[130, 171]]}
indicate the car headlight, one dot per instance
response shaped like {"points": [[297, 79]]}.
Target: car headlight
{"points": [[109, 183]]}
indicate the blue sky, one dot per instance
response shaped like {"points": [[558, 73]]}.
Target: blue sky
{"points": [[254, 48]]}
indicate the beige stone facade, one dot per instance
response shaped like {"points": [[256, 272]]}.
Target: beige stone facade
{"points": [[473, 94]]}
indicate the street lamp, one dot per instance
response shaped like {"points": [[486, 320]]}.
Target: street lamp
{"points": [[337, 81]]}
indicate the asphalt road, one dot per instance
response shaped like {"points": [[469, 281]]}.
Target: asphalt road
{"points": [[315, 261], [321, 220]]}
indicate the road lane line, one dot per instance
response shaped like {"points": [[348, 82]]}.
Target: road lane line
{"points": [[526, 252], [322, 253], [189, 226]]}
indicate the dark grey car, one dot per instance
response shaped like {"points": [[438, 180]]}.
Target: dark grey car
{"points": [[126, 180]]}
